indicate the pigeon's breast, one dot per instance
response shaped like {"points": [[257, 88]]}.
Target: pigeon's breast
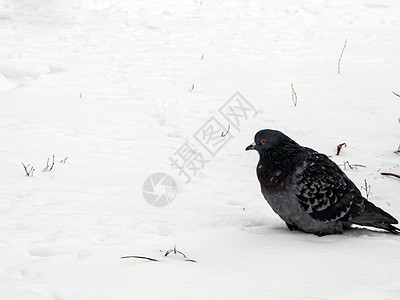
{"points": [[280, 198]]}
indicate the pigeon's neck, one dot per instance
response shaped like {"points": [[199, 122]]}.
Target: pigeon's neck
{"points": [[275, 164], [283, 151]]}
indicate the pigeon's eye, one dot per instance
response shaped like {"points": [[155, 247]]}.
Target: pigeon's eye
{"points": [[263, 141]]}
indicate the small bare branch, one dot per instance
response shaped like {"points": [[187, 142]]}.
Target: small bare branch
{"points": [[26, 169], [52, 164], [166, 254], [351, 166], [391, 174], [341, 54], [140, 257], [294, 95], [28, 172], [64, 160], [339, 147], [179, 252], [175, 252], [224, 134], [396, 94], [49, 168], [398, 150], [367, 188]]}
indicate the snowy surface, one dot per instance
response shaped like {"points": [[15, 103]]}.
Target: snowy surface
{"points": [[109, 85]]}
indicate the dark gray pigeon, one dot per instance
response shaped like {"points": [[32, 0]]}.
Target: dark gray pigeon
{"points": [[309, 191]]}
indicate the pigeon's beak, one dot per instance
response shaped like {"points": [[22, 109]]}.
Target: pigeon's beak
{"points": [[251, 146]]}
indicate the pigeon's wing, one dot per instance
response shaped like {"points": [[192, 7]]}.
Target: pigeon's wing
{"points": [[324, 191]]}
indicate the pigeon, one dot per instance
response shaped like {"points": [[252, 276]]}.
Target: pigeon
{"points": [[309, 191]]}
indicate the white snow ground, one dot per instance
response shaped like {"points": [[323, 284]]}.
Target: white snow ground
{"points": [[108, 85]]}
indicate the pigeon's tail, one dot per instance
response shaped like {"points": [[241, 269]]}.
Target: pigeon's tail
{"points": [[375, 217]]}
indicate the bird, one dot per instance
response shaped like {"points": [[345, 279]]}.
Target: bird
{"points": [[309, 191]]}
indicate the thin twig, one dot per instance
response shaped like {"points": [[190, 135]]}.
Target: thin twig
{"points": [[140, 257], [175, 252], [339, 147], [178, 252], [47, 165], [396, 94], [351, 166], [341, 54], [398, 148], [64, 160], [224, 134], [294, 95], [26, 169], [52, 165], [166, 254], [28, 172], [391, 174], [367, 188], [49, 168]]}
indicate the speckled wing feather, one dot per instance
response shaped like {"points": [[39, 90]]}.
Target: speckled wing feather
{"points": [[324, 191]]}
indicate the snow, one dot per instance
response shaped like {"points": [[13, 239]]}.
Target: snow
{"points": [[108, 84]]}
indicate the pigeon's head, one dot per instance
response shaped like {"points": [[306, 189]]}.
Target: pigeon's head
{"points": [[268, 139]]}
